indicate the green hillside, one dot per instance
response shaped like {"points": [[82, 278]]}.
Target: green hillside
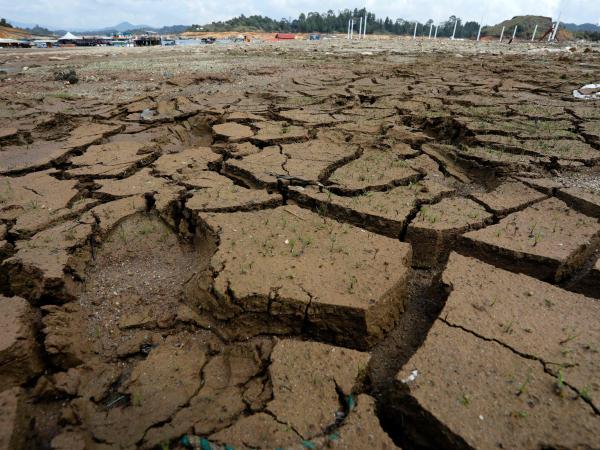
{"points": [[526, 25]]}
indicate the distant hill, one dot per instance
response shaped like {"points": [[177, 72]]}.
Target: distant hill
{"points": [[583, 27], [525, 24], [13, 33]]}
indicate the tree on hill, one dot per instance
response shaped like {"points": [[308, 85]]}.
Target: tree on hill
{"points": [[4, 23]]}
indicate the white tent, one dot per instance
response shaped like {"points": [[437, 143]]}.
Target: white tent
{"points": [[69, 37]]}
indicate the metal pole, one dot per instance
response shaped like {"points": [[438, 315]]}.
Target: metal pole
{"points": [[415, 33], [360, 28], [436, 30], [365, 27], [454, 32], [555, 29], [534, 31], [514, 33], [351, 29], [348, 33], [502, 34], [551, 33], [479, 32], [430, 29]]}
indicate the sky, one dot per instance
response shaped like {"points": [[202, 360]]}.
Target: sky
{"points": [[89, 14]]}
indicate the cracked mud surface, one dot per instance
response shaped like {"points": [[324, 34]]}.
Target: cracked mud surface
{"points": [[298, 246]]}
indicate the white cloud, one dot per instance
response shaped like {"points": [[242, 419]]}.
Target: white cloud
{"points": [[99, 13]]}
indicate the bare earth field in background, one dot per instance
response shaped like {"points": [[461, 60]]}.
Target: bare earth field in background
{"points": [[297, 245]]}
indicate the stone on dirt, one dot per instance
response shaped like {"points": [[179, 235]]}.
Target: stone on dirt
{"points": [[13, 419]]}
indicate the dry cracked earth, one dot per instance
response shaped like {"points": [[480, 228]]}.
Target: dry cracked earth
{"points": [[374, 246]]}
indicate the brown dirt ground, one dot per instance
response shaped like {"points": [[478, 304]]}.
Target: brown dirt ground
{"points": [[300, 245]]}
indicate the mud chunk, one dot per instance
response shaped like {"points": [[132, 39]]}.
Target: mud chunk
{"points": [[19, 354], [110, 214], [458, 375], [187, 164], [305, 377], [307, 117], [114, 159], [13, 421], [508, 197], [546, 240], [233, 131], [63, 328], [434, 231], [258, 169], [277, 269], [19, 158], [384, 213], [221, 195], [257, 431], [513, 339], [586, 202], [279, 132], [546, 185], [39, 267], [374, 169], [361, 429], [35, 201], [532, 317], [159, 385]]}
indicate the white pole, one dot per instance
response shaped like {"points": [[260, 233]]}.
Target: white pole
{"points": [[454, 32], [436, 30], [534, 31], [551, 32], [415, 33], [348, 34], [514, 33], [555, 29], [479, 32], [360, 28], [430, 29], [365, 27], [351, 29], [502, 34]]}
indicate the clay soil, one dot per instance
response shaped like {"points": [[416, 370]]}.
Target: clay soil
{"points": [[377, 244]]}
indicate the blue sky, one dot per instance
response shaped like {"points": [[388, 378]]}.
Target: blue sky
{"points": [[99, 13]]}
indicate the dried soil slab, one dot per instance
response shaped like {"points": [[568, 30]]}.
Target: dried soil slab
{"points": [[308, 117], [315, 160], [163, 192], [259, 169], [35, 201], [21, 158], [187, 165], [586, 202], [531, 317], [546, 185], [591, 130], [222, 195], [309, 382], [158, 385], [13, 420], [547, 240], [279, 132], [374, 169], [111, 160], [288, 270], [19, 357], [473, 393], [40, 265], [232, 131], [305, 377], [435, 229], [508, 197], [385, 213]]}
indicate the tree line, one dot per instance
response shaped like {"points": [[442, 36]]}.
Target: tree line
{"points": [[330, 22]]}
